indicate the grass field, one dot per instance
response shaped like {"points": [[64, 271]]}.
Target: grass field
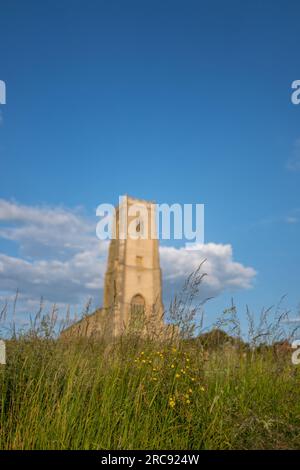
{"points": [[143, 395], [216, 389]]}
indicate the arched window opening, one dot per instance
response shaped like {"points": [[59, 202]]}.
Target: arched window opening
{"points": [[137, 305]]}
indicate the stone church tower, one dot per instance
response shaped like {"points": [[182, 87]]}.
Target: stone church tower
{"points": [[132, 287], [133, 277]]}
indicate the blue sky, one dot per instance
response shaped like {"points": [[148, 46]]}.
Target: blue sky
{"points": [[177, 101]]}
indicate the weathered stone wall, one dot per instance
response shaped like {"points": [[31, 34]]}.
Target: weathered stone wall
{"points": [[133, 271]]}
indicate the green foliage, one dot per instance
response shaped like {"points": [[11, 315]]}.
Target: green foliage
{"points": [[211, 388], [84, 394]]}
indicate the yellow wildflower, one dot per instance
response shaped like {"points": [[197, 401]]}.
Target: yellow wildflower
{"points": [[172, 402]]}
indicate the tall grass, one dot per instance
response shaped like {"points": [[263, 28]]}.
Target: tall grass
{"points": [[213, 391], [87, 395]]}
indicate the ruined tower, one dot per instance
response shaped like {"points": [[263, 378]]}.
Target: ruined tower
{"points": [[133, 278], [132, 287]]}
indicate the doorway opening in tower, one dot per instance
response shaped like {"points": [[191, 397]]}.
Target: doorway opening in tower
{"points": [[137, 305], [137, 312]]}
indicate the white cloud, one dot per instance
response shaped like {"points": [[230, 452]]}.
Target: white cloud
{"points": [[292, 220], [222, 272], [59, 257], [60, 230], [58, 254]]}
